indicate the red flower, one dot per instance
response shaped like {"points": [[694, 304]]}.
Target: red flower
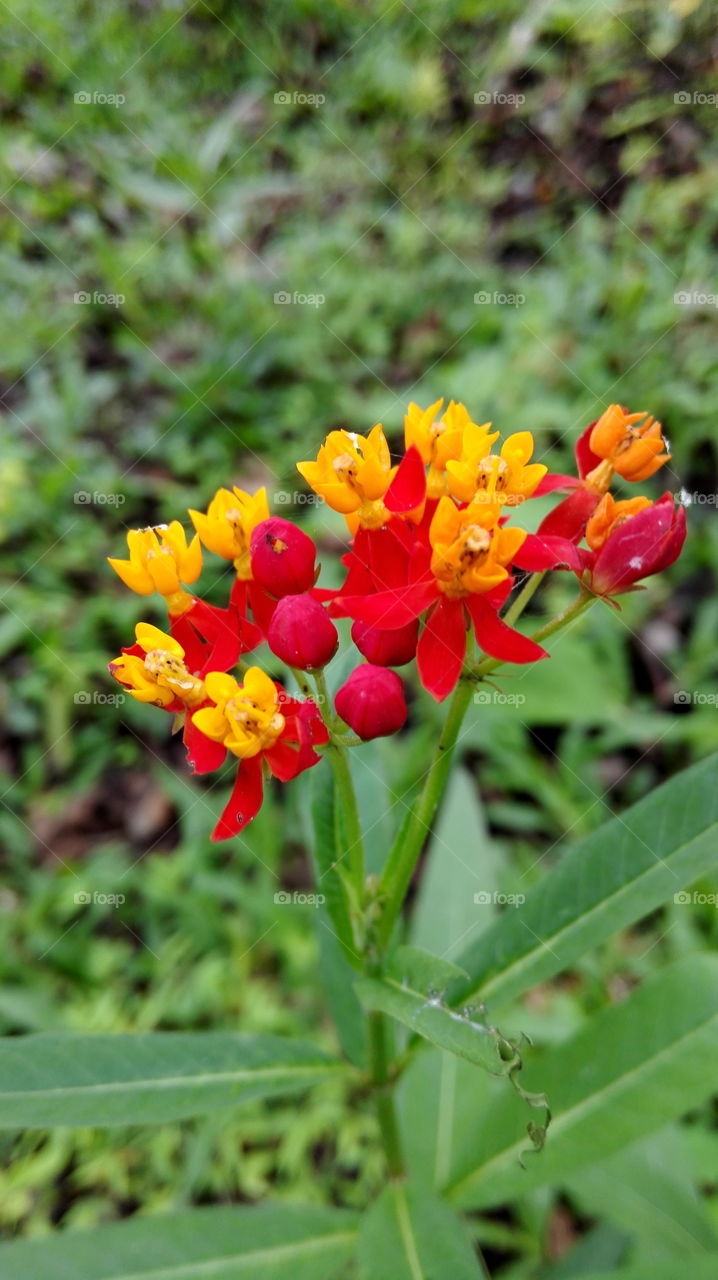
{"points": [[629, 545]]}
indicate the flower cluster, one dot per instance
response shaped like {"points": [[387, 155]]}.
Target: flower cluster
{"points": [[434, 552]]}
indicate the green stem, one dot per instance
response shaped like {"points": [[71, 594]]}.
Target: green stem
{"points": [[527, 591], [350, 824], [583, 601], [405, 851], [379, 1062]]}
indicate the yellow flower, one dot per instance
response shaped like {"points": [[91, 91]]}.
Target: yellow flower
{"points": [[439, 438], [470, 550], [227, 527], [160, 560], [161, 676], [246, 717], [507, 477], [352, 473]]}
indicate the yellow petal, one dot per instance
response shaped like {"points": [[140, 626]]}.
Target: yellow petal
{"points": [[211, 722], [150, 637], [135, 577]]}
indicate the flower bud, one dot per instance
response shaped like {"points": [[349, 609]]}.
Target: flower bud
{"points": [[282, 558], [301, 634], [372, 702], [386, 648]]}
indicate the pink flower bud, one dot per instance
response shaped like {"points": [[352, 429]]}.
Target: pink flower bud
{"points": [[282, 558], [301, 634], [386, 648], [372, 702]]}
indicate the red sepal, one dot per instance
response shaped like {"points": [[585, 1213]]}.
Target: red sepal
{"points": [[570, 517], [387, 609], [245, 801], [203, 753], [551, 483], [546, 551], [498, 639], [645, 544], [442, 648], [586, 459]]}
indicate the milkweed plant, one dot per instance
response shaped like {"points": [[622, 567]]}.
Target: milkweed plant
{"points": [[436, 574]]}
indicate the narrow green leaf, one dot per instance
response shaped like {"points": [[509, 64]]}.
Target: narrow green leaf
{"points": [[701, 1268], [56, 1079], [409, 1234], [636, 1066], [266, 1243], [617, 875]]}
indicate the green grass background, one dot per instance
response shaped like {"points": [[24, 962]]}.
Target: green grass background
{"points": [[586, 191]]}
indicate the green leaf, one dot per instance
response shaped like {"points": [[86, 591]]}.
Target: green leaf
{"points": [[636, 1066], [409, 1234], [617, 875], [440, 1096], [328, 881], [265, 1243], [704, 1267], [647, 1190], [414, 967], [56, 1079]]}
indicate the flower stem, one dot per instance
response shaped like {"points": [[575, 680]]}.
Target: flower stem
{"points": [[407, 847], [379, 1055], [351, 843]]}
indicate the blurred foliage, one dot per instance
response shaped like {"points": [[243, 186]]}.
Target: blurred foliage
{"points": [[560, 155]]}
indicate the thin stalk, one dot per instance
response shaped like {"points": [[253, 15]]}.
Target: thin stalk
{"points": [[379, 1066], [527, 591], [348, 810]]}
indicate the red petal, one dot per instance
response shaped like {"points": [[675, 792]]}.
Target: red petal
{"points": [[306, 728], [646, 543], [547, 551], [570, 517], [244, 802], [262, 607], [203, 753], [407, 490], [551, 483], [499, 640], [182, 630], [387, 609], [586, 459], [442, 647]]}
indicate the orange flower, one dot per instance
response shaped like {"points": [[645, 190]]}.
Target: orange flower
{"points": [[609, 515], [469, 551], [631, 443]]}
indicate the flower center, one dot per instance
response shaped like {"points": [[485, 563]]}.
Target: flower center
{"points": [[248, 720], [170, 672]]}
